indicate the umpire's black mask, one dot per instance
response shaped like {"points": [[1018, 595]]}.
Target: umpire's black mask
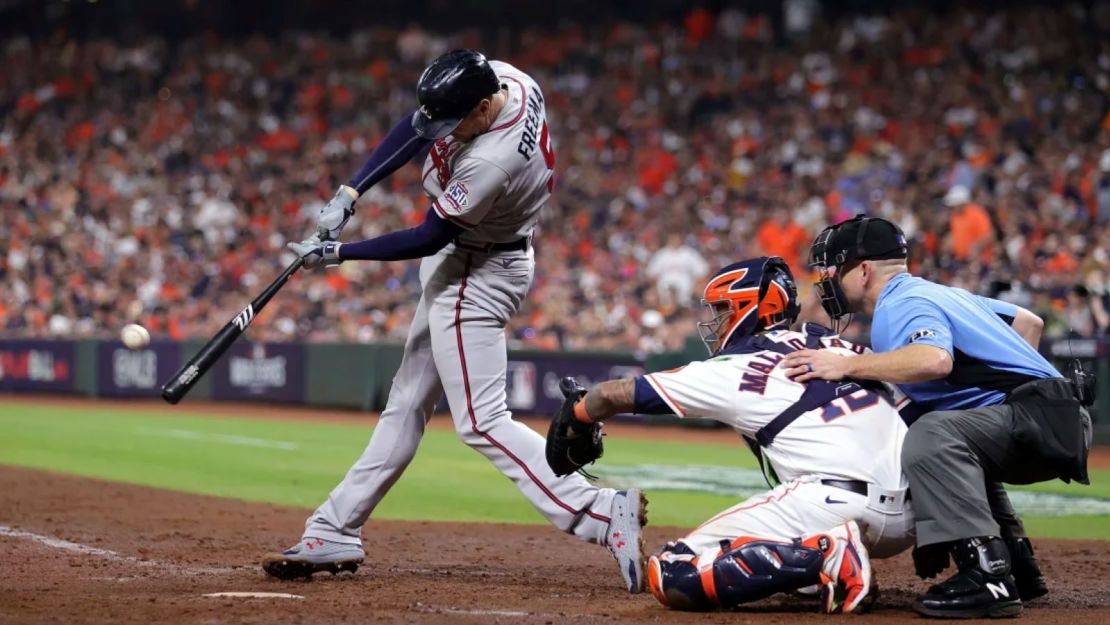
{"points": [[837, 247]]}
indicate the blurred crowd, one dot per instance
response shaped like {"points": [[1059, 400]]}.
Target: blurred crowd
{"points": [[157, 182]]}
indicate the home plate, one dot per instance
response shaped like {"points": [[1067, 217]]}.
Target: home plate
{"points": [[255, 595]]}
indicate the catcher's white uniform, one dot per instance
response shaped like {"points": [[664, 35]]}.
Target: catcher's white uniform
{"points": [[839, 460]]}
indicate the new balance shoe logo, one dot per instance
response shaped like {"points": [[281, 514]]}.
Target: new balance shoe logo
{"points": [[998, 590]]}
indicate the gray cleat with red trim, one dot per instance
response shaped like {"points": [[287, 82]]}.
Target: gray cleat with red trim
{"points": [[313, 555], [625, 539]]}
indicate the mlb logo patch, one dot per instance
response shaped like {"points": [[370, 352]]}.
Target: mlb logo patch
{"points": [[922, 334], [458, 195]]}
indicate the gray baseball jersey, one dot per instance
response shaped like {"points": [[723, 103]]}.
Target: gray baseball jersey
{"points": [[493, 186]]}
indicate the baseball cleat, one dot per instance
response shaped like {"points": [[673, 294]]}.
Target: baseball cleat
{"points": [[625, 538], [313, 555], [1023, 566], [982, 588], [846, 572], [807, 592]]}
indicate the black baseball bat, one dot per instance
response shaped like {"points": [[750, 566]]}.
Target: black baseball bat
{"points": [[182, 381]]}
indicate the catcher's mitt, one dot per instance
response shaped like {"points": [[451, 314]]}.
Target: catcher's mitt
{"points": [[571, 444]]}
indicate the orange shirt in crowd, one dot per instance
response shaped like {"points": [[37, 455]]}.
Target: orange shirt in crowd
{"points": [[787, 241], [970, 225], [1062, 262]]}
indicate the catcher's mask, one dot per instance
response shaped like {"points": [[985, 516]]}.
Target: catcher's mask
{"points": [[745, 298], [837, 248]]}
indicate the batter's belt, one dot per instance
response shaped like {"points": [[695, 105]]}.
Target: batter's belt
{"points": [[519, 245]]}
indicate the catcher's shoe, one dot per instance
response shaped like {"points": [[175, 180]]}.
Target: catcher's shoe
{"points": [[625, 539], [313, 555], [846, 572]]}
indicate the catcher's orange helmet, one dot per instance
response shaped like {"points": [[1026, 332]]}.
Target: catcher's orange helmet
{"points": [[748, 297]]}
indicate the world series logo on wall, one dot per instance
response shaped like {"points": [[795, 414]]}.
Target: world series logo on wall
{"points": [[267, 371], [257, 372]]}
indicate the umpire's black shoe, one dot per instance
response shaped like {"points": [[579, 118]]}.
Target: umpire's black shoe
{"points": [[1027, 573], [982, 588]]}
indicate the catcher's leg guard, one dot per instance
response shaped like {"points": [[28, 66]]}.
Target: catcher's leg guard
{"points": [[746, 570]]}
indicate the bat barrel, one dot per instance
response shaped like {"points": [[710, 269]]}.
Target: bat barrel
{"points": [[188, 375], [182, 381]]}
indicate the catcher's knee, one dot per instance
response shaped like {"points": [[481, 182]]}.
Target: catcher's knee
{"points": [[748, 569]]}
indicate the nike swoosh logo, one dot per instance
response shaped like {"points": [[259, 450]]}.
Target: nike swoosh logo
{"points": [[507, 262], [831, 500]]}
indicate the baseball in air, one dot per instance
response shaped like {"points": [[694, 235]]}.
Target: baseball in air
{"points": [[134, 336]]}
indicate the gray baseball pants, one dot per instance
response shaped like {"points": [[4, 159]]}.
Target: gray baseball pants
{"points": [[457, 345], [955, 461]]}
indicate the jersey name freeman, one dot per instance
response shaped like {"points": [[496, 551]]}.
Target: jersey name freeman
{"points": [[532, 120]]}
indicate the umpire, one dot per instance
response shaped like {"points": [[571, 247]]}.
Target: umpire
{"points": [[994, 411]]}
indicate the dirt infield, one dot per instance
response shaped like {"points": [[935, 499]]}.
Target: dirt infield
{"points": [[78, 550]]}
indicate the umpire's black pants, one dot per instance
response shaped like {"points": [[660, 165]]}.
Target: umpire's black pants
{"points": [[955, 460]]}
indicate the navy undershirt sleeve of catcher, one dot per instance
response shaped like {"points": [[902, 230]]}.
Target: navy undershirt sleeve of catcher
{"points": [[646, 401], [397, 148], [418, 242]]}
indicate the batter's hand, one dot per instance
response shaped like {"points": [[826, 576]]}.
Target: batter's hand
{"points": [[815, 364], [336, 214], [316, 253]]}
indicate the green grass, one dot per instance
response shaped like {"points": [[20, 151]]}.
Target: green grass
{"points": [[214, 455]]}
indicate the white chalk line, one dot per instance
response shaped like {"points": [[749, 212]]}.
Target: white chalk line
{"points": [[108, 554], [238, 594], [431, 609], [225, 439]]}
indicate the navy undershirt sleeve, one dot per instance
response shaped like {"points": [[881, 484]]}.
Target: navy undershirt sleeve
{"points": [[418, 242], [397, 148], [646, 401]]}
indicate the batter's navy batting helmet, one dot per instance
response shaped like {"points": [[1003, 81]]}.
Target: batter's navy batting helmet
{"points": [[449, 89]]}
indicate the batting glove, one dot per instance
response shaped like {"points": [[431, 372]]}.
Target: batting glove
{"points": [[336, 214], [317, 253]]}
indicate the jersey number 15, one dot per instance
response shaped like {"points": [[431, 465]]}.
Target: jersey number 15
{"points": [[855, 402]]}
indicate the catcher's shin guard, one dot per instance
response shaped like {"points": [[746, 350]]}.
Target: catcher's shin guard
{"points": [[746, 570]]}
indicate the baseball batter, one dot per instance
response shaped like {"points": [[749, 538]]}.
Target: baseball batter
{"points": [[831, 450], [489, 171]]}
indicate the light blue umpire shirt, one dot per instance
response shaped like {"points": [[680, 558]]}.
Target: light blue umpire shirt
{"points": [[989, 358]]}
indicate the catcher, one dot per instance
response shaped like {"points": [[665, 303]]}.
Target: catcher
{"points": [[830, 451]]}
